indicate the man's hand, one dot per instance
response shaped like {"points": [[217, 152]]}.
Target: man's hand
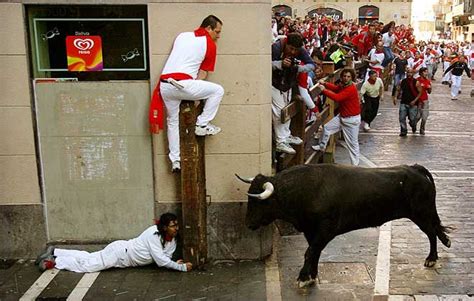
{"points": [[189, 266], [394, 100], [286, 62], [180, 261], [321, 81]]}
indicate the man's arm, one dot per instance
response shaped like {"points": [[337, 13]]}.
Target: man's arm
{"points": [[202, 75], [466, 68], [449, 68], [420, 89]]}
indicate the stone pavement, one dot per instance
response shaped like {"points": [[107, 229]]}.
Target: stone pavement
{"points": [[348, 267]]}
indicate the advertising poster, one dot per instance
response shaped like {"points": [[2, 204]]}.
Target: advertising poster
{"points": [[84, 53]]}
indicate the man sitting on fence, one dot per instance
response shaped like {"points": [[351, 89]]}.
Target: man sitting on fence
{"points": [[348, 118], [192, 57], [287, 56]]}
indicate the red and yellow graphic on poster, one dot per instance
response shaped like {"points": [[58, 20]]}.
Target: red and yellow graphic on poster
{"points": [[84, 53]]}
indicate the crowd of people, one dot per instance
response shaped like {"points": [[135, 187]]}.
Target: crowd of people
{"points": [[391, 56]]}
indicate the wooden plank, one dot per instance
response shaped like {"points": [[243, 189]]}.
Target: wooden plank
{"points": [[328, 67], [297, 128], [193, 186], [289, 111]]}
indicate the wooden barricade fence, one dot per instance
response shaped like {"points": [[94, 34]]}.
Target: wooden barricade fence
{"points": [[193, 186], [296, 111]]}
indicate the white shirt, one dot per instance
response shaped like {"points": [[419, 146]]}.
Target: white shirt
{"points": [[147, 248], [372, 90], [387, 39], [187, 54], [373, 56]]}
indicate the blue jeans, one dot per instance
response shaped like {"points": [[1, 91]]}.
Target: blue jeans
{"points": [[388, 56], [397, 79], [410, 111]]}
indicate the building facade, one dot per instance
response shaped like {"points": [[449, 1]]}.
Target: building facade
{"points": [[77, 163], [460, 20], [363, 11]]}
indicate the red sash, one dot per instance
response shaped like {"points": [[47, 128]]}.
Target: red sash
{"points": [[156, 115]]}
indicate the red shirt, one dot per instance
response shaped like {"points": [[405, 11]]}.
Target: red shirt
{"points": [[347, 97], [424, 82]]}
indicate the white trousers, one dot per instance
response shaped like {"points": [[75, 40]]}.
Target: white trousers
{"points": [[193, 90], [447, 77], [279, 101], [113, 255], [350, 131], [456, 85]]}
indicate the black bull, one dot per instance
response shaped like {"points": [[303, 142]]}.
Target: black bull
{"points": [[326, 200]]}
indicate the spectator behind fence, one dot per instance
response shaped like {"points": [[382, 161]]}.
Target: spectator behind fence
{"points": [[288, 59], [348, 118]]}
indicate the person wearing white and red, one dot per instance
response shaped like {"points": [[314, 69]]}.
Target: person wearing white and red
{"points": [[376, 58], [348, 119], [416, 63], [155, 244], [192, 57], [285, 69], [423, 86], [457, 68], [372, 93]]}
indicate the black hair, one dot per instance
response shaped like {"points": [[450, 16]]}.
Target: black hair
{"points": [[164, 221], [422, 69], [372, 72], [294, 39], [212, 21]]}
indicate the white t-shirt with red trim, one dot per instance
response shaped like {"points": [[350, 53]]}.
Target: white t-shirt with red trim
{"points": [[189, 54]]}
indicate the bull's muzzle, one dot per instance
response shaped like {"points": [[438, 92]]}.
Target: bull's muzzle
{"points": [[265, 194]]}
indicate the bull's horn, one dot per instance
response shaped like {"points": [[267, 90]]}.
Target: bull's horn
{"points": [[265, 194], [245, 180]]}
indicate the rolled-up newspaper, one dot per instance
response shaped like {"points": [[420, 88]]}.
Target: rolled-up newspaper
{"points": [[175, 83]]}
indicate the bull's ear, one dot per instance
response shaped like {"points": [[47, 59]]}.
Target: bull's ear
{"points": [[245, 180]]}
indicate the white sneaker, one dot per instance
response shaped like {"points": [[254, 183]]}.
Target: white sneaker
{"points": [[318, 148], [366, 127], [207, 130], [294, 140], [175, 166], [284, 147]]}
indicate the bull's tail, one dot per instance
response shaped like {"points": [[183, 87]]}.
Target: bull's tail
{"points": [[441, 231], [425, 172]]}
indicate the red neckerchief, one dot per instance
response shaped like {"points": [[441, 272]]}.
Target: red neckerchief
{"points": [[372, 81], [378, 51], [211, 47]]}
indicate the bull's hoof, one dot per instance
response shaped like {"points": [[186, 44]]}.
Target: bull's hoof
{"points": [[429, 263], [448, 243], [302, 284]]}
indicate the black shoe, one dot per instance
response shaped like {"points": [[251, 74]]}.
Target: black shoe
{"points": [[403, 134], [413, 129], [459, 92], [46, 253], [422, 132]]}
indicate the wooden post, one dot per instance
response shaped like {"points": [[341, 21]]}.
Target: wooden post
{"points": [[193, 186], [297, 126], [328, 67]]}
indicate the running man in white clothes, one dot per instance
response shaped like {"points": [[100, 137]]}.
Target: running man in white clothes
{"points": [[192, 57], [156, 244]]}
